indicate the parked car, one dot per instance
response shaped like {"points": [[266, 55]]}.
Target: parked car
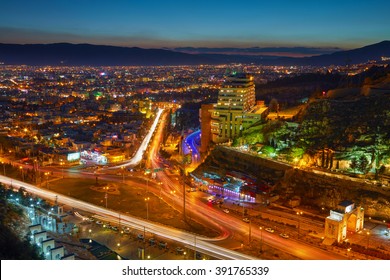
{"points": [[284, 235], [226, 210], [140, 237], [270, 230], [246, 220]]}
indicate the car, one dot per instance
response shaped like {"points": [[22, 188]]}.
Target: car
{"points": [[226, 210], [284, 235], [99, 222], [140, 237], [246, 220], [114, 228], [179, 250], [163, 245], [270, 230]]}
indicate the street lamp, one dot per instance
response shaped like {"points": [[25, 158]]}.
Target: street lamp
{"points": [[47, 178], [21, 170], [173, 193], [299, 213], [147, 207], [261, 239], [348, 250], [62, 169], [106, 195]]}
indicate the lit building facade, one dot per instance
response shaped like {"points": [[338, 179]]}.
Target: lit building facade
{"points": [[345, 218], [236, 108]]}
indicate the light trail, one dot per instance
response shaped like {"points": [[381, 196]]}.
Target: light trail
{"points": [[142, 148], [184, 237]]}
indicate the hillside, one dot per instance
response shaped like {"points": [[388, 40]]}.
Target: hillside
{"points": [[98, 55], [93, 55]]}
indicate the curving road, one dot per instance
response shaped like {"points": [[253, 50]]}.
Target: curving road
{"points": [[187, 238], [141, 150]]}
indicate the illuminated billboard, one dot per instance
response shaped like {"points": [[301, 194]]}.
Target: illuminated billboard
{"points": [[73, 156]]}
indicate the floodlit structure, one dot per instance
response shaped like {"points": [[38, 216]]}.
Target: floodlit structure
{"points": [[236, 108], [345, 217]]}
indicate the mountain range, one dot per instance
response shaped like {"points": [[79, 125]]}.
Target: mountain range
{"points": [[99, 55]]}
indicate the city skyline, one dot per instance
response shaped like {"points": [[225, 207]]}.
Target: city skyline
{"points": [[218, 24]]}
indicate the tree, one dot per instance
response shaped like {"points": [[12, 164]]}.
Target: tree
{"points": [[274, 105]]}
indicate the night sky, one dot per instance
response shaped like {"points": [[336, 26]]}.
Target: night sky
{"points": [[197, 23]]}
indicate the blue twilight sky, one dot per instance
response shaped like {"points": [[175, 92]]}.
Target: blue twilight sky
{"points": [[197, 23]]}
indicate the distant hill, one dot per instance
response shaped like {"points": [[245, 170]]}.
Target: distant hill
{"points": [[97, 55], [93, 55], [355, 56]]}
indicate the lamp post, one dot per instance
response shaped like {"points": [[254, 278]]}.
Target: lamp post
{"points": [[250, 232], [90, 235], [299, 213], [147, 207], [106, 195], [21, 170], [3, 163], [261, 239], [173, 193], [348, 250], [47, 179], [62, 169]]}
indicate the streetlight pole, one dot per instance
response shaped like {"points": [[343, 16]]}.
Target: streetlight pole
{"points": [[299, 213], [250, 231], [261, 239], [3, 163], [106, 195], [62, 169], [21, 170], [147, 207], [172, 195], [368, 239], [47, 179]]}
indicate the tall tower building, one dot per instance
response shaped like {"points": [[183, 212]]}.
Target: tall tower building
{"points": [[236, 100]]}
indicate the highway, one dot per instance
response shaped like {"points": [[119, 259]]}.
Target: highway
{"points": [[112, 216], [141, 150], [228, 225]]}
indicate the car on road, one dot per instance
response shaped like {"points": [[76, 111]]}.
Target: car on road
{"points": [[270, 230], [284, 235], [179, 250], [163, 245], [99, 222], [226, 210], [140, 237], [114, 228], [246, 220]]}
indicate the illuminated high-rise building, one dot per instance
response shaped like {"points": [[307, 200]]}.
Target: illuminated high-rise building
{"points": [[236, 108]]}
